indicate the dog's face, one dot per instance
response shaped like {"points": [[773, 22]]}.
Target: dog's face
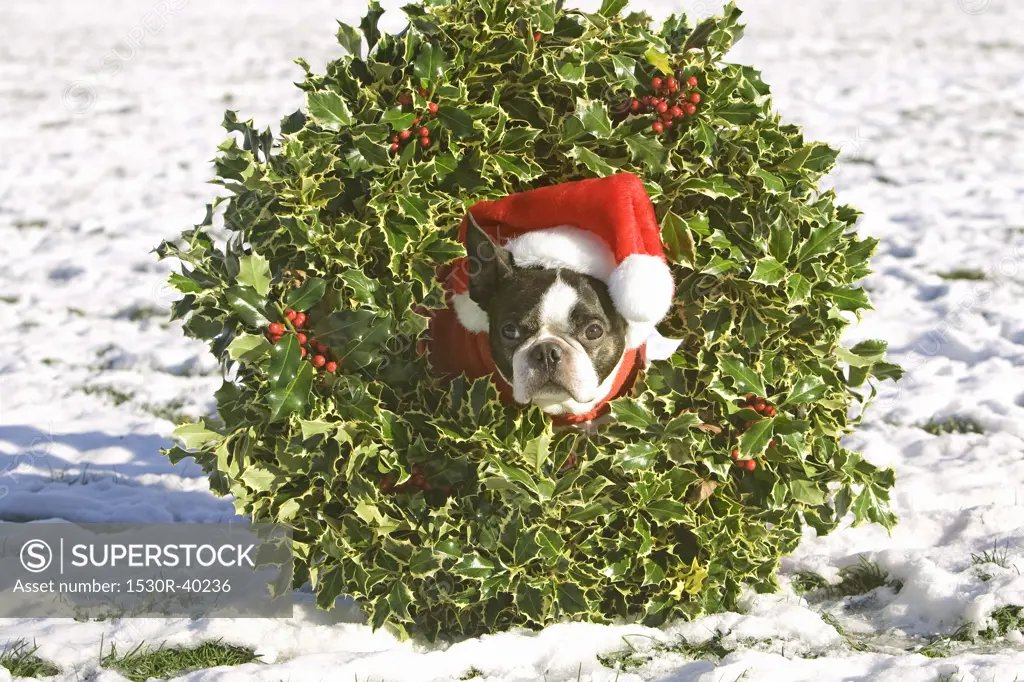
{"points": [[555, 335]]}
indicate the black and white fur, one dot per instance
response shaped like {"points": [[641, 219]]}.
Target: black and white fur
{"points": [[555, 336]]}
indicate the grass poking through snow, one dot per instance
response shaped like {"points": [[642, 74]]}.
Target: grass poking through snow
{"points": [[1000, 556], [808, 581], [1005, 619], [953, 425], [630, 659], [963, 274], [20, 659], [143, 663], [861, 578]]}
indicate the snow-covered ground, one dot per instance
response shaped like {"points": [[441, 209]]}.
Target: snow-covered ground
{"points": [[109, 114]]}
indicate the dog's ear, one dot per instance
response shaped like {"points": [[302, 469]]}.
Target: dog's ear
{"points": [[489, 263]]}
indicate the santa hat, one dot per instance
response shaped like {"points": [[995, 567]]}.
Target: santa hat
{"points": [[602, 227]]}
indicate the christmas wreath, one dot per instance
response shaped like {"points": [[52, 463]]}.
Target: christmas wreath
{"points": [[440, 507]]}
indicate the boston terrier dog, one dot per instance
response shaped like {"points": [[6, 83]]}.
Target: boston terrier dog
{"points": [[558, 297], [555, 336]]}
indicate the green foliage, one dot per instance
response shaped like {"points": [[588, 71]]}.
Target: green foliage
{"points": [[954, 424], [163, 663], [648, 518], [20, 659]]}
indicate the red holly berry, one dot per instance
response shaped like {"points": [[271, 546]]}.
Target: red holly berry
{"points": [[691, 109], [536, 36], [662, 108], [405, 134], [751, 398], [769, 411], [667, 117], [405, 99], [302, 351], [432, 107], [394, 139], [395, 147], [331, 367], [386, 483], [656, 83], [648, 100], [319, 346], [276, 329], [672, 84], [669, 124], [423, 91], [750, 465], [658, 127], [634, 106], [424, 132], [302, 338], [748, 425], [319, 361], [300, 319], [695, 98], [692, 81], [771, 443], [676, 112], [424, 142], [735, 454]]}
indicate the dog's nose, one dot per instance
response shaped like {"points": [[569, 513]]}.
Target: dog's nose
{"points": [[546, 355]]}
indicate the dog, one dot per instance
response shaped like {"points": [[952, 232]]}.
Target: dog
{"points": [[558, 296], [555, 335]]}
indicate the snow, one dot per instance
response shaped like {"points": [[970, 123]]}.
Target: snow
{"points": [[106, 150]]}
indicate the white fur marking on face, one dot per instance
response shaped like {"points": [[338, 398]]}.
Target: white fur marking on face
{"points": [[557, 305]]}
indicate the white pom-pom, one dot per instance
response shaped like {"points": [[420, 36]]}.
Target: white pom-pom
{"points": [[470, 314], [641, 288]]}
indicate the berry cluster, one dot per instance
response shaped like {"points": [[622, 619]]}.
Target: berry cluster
{"points": [[748, 464], [418, 481], [297, 322], [670, 101], [423, 133], [759, 405]]}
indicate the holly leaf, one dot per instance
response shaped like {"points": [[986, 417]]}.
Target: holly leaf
{"points": [[430, 64], [768, 271], [456, 120], [631, 413], [254, 271], [248, 348], [328, 110], [755, 440], [248, 304], [745, 380], [307, 295], [350, 39], [194, 436], [647, 151], [291, 396], [593, 114], [807, 389]]}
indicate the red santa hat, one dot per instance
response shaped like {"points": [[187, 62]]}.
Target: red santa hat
{"points": [[602, 227]]}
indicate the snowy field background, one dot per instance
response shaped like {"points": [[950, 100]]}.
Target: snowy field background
{"points": [[926, 101]]}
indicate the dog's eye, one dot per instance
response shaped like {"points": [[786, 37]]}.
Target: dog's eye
{"points": [[594, 332], [511, 332]]}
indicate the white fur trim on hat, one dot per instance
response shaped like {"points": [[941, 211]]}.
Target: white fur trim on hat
{"points": [[563, 247], [470, 314], [641, 288]]}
